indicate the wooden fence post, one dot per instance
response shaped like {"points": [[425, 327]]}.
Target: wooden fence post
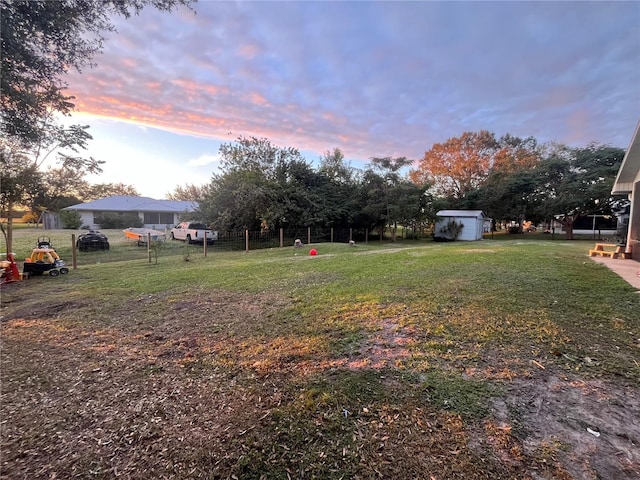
{"points": [[74, 262], [149, 246], [246, 241], [350, 234], [331, 234], [308, 235], [204, 243], [281, 237]]}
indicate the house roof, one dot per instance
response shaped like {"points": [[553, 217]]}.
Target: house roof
{"points": [[629, 172], [125, 203], [460, 213]]}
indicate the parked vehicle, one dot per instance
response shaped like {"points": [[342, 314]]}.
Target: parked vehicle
{"points": [[193, 232], [92, 240]]}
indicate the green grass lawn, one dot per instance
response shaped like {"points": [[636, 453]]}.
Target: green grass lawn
{"points": [[410, 360]]}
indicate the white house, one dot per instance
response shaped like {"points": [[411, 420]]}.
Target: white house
{"points": [[628, 183], [472, 221], [156, 214]]}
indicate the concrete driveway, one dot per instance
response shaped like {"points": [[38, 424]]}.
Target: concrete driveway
{"points": [[629, 270]]}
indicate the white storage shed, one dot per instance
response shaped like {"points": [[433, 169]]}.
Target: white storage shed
{"points": [[471, 220]]}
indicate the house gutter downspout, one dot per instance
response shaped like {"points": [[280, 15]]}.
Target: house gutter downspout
{"points": [[633, 232]]}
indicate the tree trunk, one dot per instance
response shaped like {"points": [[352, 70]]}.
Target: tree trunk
{"points": [[9, 232], [568, 228]]}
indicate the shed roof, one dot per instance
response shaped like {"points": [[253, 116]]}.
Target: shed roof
{"points": [[127, 203], [630, 169], [460, 213]]}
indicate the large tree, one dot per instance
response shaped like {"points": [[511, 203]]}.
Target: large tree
{"points": [[20, 183], [26, 183], [255, 185], [391, 198], [57, 168], [516, 154], [460, 165], [233, 201], [58, 158], [334, 166], [572, 182], [41, 42], [339, 192], [102, 190], [189, 192], [507, 195], [297, 197]]}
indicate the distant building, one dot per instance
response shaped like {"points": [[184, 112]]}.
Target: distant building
{"points": [[593, 225], [156, 214]]}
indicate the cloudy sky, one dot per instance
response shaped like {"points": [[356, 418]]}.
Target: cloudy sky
{"points": [[371, 78]]}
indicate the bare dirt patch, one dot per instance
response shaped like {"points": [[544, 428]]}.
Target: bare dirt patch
{"points": [[562, 426], [386, 348], [593, 425]]}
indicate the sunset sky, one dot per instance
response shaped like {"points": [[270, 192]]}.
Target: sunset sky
{"points": [[371, 78]]}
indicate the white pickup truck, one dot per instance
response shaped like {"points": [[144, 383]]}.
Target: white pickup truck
{"points": [[193, 232]]}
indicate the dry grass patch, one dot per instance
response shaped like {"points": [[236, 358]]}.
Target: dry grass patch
{"points": [[192, 394]]}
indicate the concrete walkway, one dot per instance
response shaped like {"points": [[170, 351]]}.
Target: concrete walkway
{"points": [[628, 269]]}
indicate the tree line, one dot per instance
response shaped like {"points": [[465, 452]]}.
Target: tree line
{"points": [[264, 187], [260, 186], [512, 178]]}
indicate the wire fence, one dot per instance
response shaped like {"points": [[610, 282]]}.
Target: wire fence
{"points": [[120, 248]]}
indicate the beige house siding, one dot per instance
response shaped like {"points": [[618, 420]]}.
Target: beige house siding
{"points": [[628, 183]]}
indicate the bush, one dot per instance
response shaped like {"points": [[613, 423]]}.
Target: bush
{"points": [[118, 220], [70, 219], [448, 232]]}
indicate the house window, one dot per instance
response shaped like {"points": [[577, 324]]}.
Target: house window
{"points": [[166, 217], [158, 218]]}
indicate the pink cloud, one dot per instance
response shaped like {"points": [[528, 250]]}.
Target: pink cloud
{"points": [[249, 51], [129, 63], [258, 99], [154, 86], [255, 68]]}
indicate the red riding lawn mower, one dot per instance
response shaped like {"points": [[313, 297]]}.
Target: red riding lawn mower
{"points": [[9, 272]]}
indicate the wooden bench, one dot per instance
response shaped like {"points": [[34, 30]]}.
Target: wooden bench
{"points": [[612, 250]]}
